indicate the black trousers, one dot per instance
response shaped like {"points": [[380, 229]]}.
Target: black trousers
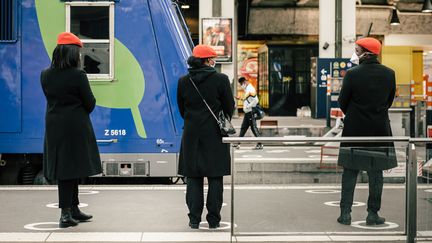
{"points": [[249, 121], [349, 180], [68, 193], [195, 199]]}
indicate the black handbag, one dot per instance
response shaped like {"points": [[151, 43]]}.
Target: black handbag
{"points": [[258, 112], [223, 121]]}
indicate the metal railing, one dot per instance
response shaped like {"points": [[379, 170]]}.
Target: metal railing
{"points": [[411, 165]]}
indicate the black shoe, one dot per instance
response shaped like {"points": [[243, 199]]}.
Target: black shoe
{"points": [[374, 219], [214, 226], [194, 226], [66, 219], [344, 218], [78, 215]]}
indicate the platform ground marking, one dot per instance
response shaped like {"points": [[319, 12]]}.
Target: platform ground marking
{"points": [[322, 191], [55, 205], [362, 225], [34, 226], [223, 226], [337, 204]]}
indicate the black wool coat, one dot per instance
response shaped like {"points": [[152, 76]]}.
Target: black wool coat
{"points": [[367, 93], [202, 153], [70, 149]]}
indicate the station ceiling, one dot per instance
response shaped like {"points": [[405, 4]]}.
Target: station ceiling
{"points": [[402, 5]]}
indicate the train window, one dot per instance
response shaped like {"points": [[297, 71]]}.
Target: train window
{"points": [[182, 29], [93, 23], [8, 21]]}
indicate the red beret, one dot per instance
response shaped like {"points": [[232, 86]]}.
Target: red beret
{"points": [[67, 38], [371, 44], [203, 51]]}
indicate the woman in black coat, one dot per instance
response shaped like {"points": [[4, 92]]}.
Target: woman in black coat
{"points": [[70, 149], [202, 153], [367, 93]]}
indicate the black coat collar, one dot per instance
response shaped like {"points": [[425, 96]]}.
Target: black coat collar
{"points": [[371, 60]]}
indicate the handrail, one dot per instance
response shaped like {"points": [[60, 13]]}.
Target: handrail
{"points": [[400, 110], [420, 140], [297, 139]]}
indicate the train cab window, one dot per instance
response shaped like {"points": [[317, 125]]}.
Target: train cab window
{"points": [[93, 23]]}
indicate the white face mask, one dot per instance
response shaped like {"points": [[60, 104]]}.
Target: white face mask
{"points": [[355, 59], [244, 86]]}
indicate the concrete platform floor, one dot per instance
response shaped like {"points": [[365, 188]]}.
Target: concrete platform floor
{"points": [[280, 213]]}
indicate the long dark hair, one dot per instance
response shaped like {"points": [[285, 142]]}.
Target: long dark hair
{"points": [[195, 62], [65, 56]]}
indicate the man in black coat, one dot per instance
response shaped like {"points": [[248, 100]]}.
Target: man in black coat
{"points": [[367, 93], [202, 153]]}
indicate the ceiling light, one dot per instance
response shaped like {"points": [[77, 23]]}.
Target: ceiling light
{"points": [[186, 6], [394, 18], [427, 6]]}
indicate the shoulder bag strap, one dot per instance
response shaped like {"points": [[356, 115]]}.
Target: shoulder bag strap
{"points": [[193, 83]]}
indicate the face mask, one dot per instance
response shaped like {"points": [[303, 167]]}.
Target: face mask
{"points": [[244, 86], [213, 64], [355, 59]]}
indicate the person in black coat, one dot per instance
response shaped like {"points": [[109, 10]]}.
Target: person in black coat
{"points": [[367, 93], [202, 153], [70, 149]]}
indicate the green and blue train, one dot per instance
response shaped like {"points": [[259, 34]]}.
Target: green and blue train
{"points": [[134, 52]]}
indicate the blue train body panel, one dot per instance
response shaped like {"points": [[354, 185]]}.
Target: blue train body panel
{"points": [[150, 30]]}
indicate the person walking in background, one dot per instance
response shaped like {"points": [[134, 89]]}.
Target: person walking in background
{"points": [[70, 149], [367, 93], [250, 100], [202, 153]]}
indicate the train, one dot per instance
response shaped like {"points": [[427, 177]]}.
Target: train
{"points": [[133, 54]]}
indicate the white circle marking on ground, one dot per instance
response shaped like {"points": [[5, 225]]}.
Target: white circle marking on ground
{"points": [[337, 204], [88, 192], [34, 226], [362, 225], [223, 226], [55, 205], [322, 191]]}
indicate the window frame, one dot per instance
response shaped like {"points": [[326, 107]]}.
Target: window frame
{"points": [[110, 41]]}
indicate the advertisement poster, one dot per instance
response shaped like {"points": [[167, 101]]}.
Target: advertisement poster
{"points": [[216, 32], [247, 64]]}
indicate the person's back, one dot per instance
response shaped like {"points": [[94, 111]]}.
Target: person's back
{"points": [[367, 93], [366, 100], [202, 153]]}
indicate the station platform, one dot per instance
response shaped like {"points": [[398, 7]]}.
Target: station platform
{"points": [[277, 213]]}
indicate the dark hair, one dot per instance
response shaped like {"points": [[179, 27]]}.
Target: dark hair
{"points": [[195, 62], [65, 56], [242, 80]]}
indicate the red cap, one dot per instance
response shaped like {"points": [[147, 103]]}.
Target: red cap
{"points": [[203, 51], [67, 38], [371, 44]]}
